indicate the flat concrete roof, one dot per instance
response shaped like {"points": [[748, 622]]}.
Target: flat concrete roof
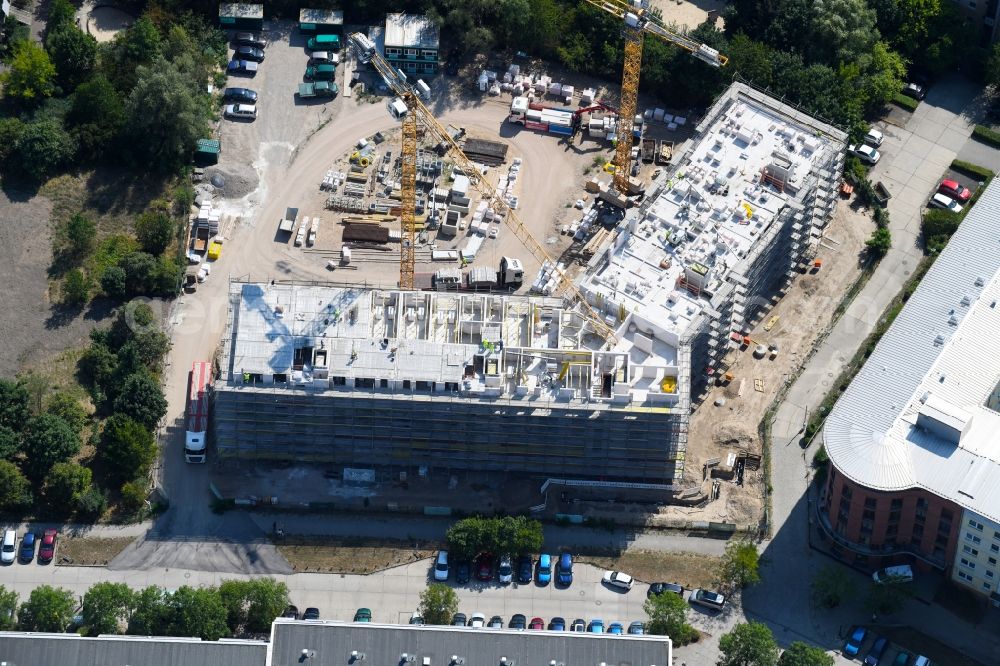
{"points": [[411, 31], [321, 16], [23, 648], [241, 10]]}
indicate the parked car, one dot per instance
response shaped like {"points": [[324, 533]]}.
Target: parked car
{"points": [[636, 629], [478, 621], [902, 659], [557, 624], [865, 153], [708, 599], [47, 551], [955, 190], [595, 627], [8, 549], [311, 613], [855, 641], [27, 552], [363, 615], [322, 72], [616, 628], [578, 625], [505, 572], [237, 66], [462, 572], [484, 566], [441, 566], [877, 650], [244, 95], [249, 53], [524, 569], [417, 618], [460, 620], [249, 39], [496, 622], [618, 579], [317, 57], [656, 589], [915, 90], [518, 621], [324, 43], [944, 202], [291, 612], [543, 573], [921, 660], [536, 623], [241, 111], [564, 571], [874, 137]]}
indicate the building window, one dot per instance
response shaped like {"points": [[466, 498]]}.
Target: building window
{"points": [[968, 564], [993, 561], [969, 550], [391, 51], [976, 526], [891, 530], [896, 504], [996, 535], [995, 548], [989, 574], [847, 493], [969, 536], [427, 53], [964, 576], [410, 52], [428, 67], [986, 586], [870, 502], [868, 514]]}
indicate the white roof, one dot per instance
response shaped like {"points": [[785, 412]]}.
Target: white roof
{"points": [[916, 414], [411, 31]]}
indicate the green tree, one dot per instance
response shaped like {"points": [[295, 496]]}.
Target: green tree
{"points": [[61, 13], [991, 70], [96, 117], [14, 404], [45, 147], [73, 52], [134, 494], [197, 612], [81, 234], [879, 242], [30, 73], [166, 116], [11, 131], [127, 447], [883, 71], [668, 617], [138, 45], [113, 282], [75, 287], [140, 272], [438, 604], [47, 609], [15, 491], [142, 398], [150, 612], [887, 597], [47, 440], [8, 608], [252, 605], [106, 607], [155, 229], [803, 654], [846, 28], [65, 484], [67, 407], [831, 587], [10, 443], [748, 644], [92, 503], [741, 564]]}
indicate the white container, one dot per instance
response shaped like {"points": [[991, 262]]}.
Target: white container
{"points": [[658, 115]]}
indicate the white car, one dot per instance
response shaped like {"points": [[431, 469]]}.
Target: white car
{"points": [[241, 111], [441, 566], [865, 153], [944, 201], [478, 621], [325, 56], [618, 579], [9, 548], [874, 137], [505, 572]]}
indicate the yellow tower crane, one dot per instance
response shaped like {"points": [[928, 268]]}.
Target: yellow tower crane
{"points": [[637, 24], [396, 80]]}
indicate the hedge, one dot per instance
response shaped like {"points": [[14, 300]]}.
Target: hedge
{"points": [[986, 135], [907, 103], [973, 169]]}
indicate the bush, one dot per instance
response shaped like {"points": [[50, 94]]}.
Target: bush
{"points": [[92, 503], [155, 229], [133, 495], [937, 228], [75, 288], [831, 587], [81, 234], [881, 217], [971, 169], [907, 103], [879, 242], [820, 458], [69, 409], [987, 135], [113, 282], [741, 564]]}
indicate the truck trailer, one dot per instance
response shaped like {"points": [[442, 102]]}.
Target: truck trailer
{"points": [[560, 122], [508, 276], [196, 416]]}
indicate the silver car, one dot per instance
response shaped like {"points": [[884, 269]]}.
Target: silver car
{"points": [[241, 111]]}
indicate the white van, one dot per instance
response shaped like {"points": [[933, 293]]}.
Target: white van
{"points": [[397, 109], [9, 548], [902, 573]]}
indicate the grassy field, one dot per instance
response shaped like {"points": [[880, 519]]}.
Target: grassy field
{"points": [[326, 555], [688, 569], [89, 551]]}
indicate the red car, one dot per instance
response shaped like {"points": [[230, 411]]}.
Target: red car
{"points": [[536, 623], [953, 189], [484, 567], [48, 549]]}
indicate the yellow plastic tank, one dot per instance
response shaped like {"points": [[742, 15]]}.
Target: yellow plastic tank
{"points": [[669, 385]]}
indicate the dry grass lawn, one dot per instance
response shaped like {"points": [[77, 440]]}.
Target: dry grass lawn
{"points": [[688, 569], [326, 555], [89, 551]]}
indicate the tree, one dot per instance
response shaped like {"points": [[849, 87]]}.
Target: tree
{"points": [[140, 272], [15, 491], [10, 443], [197, 612], [47, 440], [61, 14], [831, 586], [879, 242], [14, 404], [75, 287], [92, 503], [883, 71], [150, 612], [748, 644], [30, 73], [73, 53], [252, 605], [887, 597], [142, 397], [106, 606], [113, 282], [11, 131], [66, 406], [127, 448], [96, 117], [507, 534], [8, 607], [668, 617], [138, 45], [740, 564], [81, 233], [155, 229], [803, 654], [166, 116], [45, 146], [438, 604], [65, 484], [47, 609]]}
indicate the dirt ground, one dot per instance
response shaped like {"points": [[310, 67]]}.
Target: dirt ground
{"points": [[89, 551], [688, 569], [689, 13], [794, 324], [326, 555]]}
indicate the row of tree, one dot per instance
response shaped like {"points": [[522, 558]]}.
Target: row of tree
{"points": [[513, 535], [234, 608]]}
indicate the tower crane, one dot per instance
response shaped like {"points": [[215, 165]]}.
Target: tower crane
{"points": [[396, 80], [638, 24]]}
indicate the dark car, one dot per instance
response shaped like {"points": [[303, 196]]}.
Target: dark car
{"points": [[462, 572], [854, 642], [902, 659], [656, 589], [484, 567], [27, 552], [47, 550], [241, 67], [579, 624], [517, 621], [249, 39], [616, 628], [557, 624], [460, 620], [524, 570], [915, 90], [636, 629], [291, 612], [564, 570], [496, 622], [249, 53], [241, 95], [311, 613], [363, 615], [878, 649], [536, 623]]}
